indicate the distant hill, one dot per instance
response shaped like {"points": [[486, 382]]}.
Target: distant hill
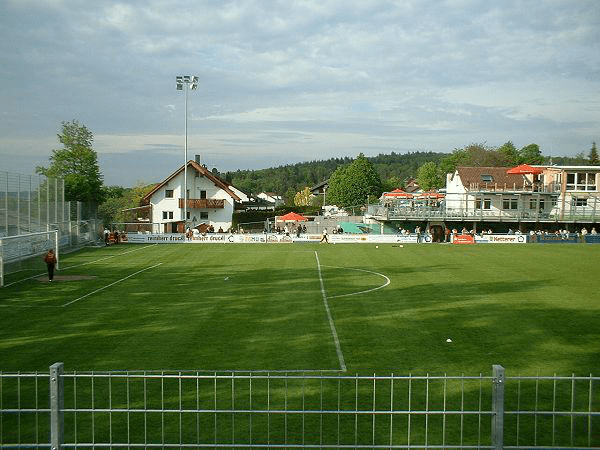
{"points": [[292, 178]]}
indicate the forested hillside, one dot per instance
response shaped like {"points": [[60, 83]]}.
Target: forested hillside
{"points": [[287, 180]]}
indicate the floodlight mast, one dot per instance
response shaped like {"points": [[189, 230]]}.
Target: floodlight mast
{"points": [[186, 82]]}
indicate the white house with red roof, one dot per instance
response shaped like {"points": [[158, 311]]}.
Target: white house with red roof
{"points": [[210, 200]]}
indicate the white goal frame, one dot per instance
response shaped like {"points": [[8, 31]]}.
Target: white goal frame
{"points": [[52, 234]]}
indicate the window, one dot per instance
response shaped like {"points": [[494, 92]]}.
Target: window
{"points": [[585, 181], [487, 178], [580, 201], [188, 215], [533, 204], [510, 203], [202, 194], [203, 215], [168, 193], [167, 215], [486, 203]]}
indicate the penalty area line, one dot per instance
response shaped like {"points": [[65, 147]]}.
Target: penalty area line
{"points": [[109, 285], [338, 347]]}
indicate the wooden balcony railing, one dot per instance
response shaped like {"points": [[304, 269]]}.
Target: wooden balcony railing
{"points": [[203, 203]]}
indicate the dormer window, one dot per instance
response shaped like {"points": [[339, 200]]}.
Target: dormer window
{"points": [[487, 178]]}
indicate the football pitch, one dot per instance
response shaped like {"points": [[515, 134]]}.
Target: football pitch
{"points": [[346, 308]]}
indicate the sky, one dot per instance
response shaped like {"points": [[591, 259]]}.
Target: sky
{"points": [[286, 81]]}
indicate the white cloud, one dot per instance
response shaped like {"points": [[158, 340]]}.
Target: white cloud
{"points": [[385, 75]]}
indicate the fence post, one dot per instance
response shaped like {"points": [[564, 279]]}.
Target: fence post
{"points": [[57, 403], [498, 407]]}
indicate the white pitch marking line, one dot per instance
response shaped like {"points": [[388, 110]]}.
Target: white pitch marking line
{"points": [[77, 265], [111, 284], [338, 348], [108, 257], [361, 292]]}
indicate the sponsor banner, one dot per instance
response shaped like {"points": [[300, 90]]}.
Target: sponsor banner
{"points": [[501, 239], [558, 239], [378, 238], [463, 239], [179, 238], [218, 238], [592, 239]]}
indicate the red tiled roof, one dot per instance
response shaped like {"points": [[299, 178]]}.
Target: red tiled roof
{"points": [[490, 176]]}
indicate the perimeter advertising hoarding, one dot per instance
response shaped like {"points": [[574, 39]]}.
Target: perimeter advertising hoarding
{"points": [[178, 238], [501, 239], [463, 239], [592, 239]]}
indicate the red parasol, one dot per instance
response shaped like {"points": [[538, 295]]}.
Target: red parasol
{"points": [[525, 169], [292, 217], [398, 193], [431, 194]]}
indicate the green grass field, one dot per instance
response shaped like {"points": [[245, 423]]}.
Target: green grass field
{"points": [[531, 308]]}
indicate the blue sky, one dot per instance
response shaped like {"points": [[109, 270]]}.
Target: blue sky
{"points": [[289, 81]]}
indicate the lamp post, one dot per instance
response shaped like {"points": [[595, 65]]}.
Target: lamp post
{"points": [[186, 82]]}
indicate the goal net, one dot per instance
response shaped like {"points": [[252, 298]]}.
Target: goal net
{"points": [[21, 256]]}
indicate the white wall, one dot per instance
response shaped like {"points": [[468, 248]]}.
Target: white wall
{"points": [[217, 217]]}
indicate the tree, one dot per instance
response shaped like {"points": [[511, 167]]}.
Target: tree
{"points": [[593, 156], [351, 185], [77, 164], [531, 154], [119, 199], [473, 155], [510, 154], [303, 198], [429, 177]]}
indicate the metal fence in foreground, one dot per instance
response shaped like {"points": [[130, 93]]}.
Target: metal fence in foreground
{"points": [[296, 410]]}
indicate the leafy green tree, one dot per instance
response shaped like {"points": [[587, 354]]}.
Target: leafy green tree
{"points": [[303, 197], [393, 182], [429, 177], [473, 155], [77, 164], [351, 185], [119, 199], [531, 154], [510, 154], [593, 156]]}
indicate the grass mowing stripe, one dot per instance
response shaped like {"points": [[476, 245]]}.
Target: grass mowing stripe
{"points": [[107, 257], [111, 284], [41, 274], [338, 347]]}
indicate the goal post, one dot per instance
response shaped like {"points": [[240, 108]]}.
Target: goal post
{"points": [[22, 253]]}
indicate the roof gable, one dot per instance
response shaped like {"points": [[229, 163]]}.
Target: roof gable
{"points": [[202, 171]]}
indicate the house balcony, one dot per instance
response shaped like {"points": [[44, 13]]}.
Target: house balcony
{"points": [[203, 203], [553, 188], [397, 213]]}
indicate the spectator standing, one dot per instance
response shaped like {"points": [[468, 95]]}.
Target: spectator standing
{"points": [[50, 260]]}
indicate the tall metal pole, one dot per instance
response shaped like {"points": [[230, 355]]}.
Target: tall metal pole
{"points": [[185, 164], [185, 82]]}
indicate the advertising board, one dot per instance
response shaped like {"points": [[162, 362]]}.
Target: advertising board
{"points": [[501, 239], [270, 238]]}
